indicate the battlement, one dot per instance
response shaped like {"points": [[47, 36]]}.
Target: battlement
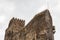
{"points": [[17, 21]]}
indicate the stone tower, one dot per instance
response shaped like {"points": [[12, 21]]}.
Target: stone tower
{"points": [[39, 28], [14, 27]]}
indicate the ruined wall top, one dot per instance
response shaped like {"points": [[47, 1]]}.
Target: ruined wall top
{"points": [[17, 21]]}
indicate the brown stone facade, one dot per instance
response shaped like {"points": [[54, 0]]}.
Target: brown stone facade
{"points": [[39, 28]]}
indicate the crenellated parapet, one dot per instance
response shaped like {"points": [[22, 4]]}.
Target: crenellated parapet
{"points": [[17, 21]]}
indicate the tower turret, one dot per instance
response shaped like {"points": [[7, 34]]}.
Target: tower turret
{"points": [[15, 25]]}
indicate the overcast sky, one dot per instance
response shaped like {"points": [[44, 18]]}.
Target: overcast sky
{"points": [[26, 9]]}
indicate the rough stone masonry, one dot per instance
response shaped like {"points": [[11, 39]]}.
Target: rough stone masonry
{"points": [[39, 28]]}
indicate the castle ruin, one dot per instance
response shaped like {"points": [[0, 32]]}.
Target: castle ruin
{"points": [[39, 28]]}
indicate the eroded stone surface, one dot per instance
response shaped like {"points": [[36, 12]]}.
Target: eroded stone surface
{"points": [[39, 28]]}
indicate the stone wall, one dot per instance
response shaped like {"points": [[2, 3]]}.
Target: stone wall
{"points": [[39, 28]]}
